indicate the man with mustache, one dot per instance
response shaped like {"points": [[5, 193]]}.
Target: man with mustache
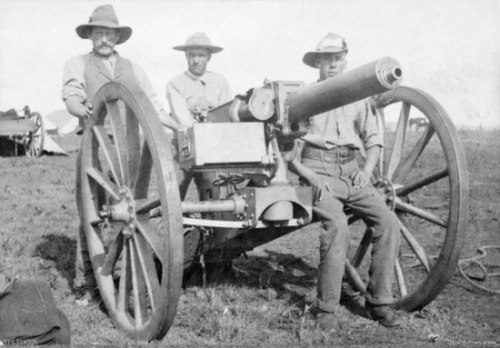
{"points": [[82, 77], [326, 160]]}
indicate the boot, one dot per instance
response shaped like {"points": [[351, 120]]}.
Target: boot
{"points": [[384, 315], [327, 322]]}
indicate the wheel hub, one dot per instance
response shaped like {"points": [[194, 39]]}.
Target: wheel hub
{"points": [[123, 210]]}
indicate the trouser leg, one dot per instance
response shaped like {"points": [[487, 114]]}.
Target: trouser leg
{"points": [[84, 275], [385, 243], [333, 250]]}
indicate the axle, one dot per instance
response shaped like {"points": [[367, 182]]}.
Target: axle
{"points": [[124, 209]]}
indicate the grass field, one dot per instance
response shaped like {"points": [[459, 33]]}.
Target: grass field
{"points": [[266, 301]]}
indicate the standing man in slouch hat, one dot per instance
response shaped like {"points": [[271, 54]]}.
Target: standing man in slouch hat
{"points": [[82, 77]]}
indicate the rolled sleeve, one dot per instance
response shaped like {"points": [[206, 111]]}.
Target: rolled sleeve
{"points": [[74, 79], [369, 134]]}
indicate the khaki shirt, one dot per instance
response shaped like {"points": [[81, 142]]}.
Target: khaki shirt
{"points": [[352, 125], [187, 88]]}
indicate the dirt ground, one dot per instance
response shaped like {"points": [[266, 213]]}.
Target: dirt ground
{"points": [[265, 301]]}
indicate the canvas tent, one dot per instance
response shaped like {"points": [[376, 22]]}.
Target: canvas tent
{"points": [[63, 121]]}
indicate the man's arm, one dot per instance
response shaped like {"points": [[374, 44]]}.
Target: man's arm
{"points": [[362, 177], [178, 106], [295, 166], [372, 141], [73, 91], [169, 122]]}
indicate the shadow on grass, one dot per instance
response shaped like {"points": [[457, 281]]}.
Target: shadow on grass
{"points": [[288, 275], [61, 250]]}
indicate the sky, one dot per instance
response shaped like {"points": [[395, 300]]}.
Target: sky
{"points": [[448, 48]]}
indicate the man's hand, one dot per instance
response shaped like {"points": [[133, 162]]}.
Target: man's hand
{"points": [[77, 108], [318, 188], [360, 179], [87, 111], [200, 105]]}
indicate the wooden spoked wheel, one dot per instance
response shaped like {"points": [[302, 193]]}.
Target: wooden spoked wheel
{"points": [[33, 144], [423, 176], [126, 173]]}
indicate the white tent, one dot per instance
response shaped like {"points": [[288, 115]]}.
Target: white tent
{"points": [[63, 121]]}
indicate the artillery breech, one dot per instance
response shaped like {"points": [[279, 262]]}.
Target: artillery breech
{"points": [[357, 84]]}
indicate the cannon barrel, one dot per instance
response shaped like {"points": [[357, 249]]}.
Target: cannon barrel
{"points": [[357, 84]]}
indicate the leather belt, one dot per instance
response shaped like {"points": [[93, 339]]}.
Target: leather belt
{"points": [[339, 154]]}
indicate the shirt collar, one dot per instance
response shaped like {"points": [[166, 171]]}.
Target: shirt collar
{"points": [[194, 77]]}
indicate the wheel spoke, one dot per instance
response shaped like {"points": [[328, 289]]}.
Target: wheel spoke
{"points": [[151, 234], [362, 248], [147, 264], [406, 166], [137, 294], [133, 144], [426, 180], [418, 212], [108, 152], [102, 181], [124, 285], [145, 205], [142, 181], [379, 115], [113, 255], [354, 277], [399, 140], [119, 139], [416, 247], [400, 278]]}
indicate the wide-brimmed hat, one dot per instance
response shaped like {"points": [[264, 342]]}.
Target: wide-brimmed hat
{"points": [[199, 40], [104, 16], [331, 43]]}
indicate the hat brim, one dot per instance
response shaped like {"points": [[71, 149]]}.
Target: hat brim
{"points": [[309, 58], [125, 32], [211, 49]]}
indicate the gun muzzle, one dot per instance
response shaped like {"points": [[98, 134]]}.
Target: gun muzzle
{"points": [[357, 84]]}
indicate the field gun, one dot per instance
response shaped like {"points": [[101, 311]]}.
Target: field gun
{"points": [[266, 121], [143, 233]]}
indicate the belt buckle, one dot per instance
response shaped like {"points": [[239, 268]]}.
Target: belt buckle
{"points": [[344, 155]]}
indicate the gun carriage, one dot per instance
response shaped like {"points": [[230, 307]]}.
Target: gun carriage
{"points": [[25, 129], [143, 233]]}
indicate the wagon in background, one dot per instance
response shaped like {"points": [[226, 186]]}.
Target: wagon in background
{"points": [[23, 129]]}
